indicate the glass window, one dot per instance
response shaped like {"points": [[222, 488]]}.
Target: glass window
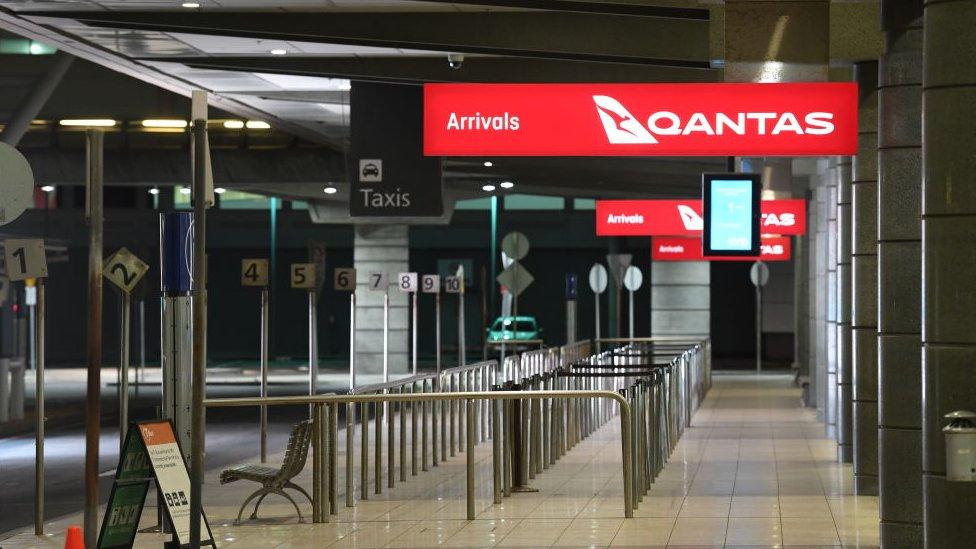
{"points": [[241, 200], [473, 204], [299, 205], [584, 204], [534, 202]]}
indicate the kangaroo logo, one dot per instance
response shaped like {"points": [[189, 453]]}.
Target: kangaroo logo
{"points": [[620, 125], [690, 218]]}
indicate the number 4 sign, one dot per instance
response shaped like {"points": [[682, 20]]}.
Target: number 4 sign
{"points": [[124, 269], [25, 258]]}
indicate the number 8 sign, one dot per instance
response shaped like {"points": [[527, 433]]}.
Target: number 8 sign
{"points": [[407, 282]]}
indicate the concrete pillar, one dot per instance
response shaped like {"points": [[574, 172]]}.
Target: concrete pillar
{"points": [[899, 275], [801, 292], [830, 325], [681, 298], [781, 41], [381, 248], [813, 399], [845, 373], [948, 258], [864, 282]]}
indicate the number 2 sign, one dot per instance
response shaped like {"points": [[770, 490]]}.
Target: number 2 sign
{"points": [[124, 269], [25, 258]]}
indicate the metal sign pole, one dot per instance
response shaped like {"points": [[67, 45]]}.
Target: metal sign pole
{"points": [[39, 413], [630, 313], [386, 336], [313, 351], [265, 330], [758, 328], [413, 330], [95, 150], [437, 333], [200, 147], [352, 342], [462, 351], [596, 308], [141, 374], [124, 369]]}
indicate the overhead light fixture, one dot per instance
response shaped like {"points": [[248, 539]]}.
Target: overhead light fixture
{"points": [[489, 163], [488, 188], [278, 51], [506, 184], [234, 124], [47, 188], [330, 190], [220, 190], [154, 191], [184, 190], [164, 123], [90, 122], [257, 125], [191, 5]]}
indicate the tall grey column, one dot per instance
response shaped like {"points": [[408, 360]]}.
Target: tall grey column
{"points": [[830, 209], [864, 282], [899, 275], [948, 258], [681, 298], [845, 373], [381, 248], [819, 343], [813, 286], [801, 291]]}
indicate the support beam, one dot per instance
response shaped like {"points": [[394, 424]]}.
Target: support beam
{"points": [[18, 124], [585, 6], [417, 70], [582, 37]]}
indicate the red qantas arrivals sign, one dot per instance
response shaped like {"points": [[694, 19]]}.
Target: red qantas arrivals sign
{"points": [[684, 217], [729, 119], [681, 248]]}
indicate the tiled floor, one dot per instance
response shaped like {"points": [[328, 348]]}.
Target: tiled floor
{"points": [[753, 470]]}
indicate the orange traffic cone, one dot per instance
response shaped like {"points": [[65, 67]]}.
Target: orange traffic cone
{"points": [[73, 538]]}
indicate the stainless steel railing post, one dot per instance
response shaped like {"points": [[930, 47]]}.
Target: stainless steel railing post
{"points": [[469, 412], [350, 458], [333, 457], [364, 450], [496, 450]]}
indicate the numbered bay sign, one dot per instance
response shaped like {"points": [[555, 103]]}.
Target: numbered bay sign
{"points": [[124, 269], [254, 272], [379, 281], [344, 279], [303, 276], [25, 258], [150, 453], [407, 282], [453, 284], [430, 284]]}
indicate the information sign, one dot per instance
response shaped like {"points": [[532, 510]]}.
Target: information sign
{"points": [[124, 269], [254, 272], [731, 214], [25, 258]]}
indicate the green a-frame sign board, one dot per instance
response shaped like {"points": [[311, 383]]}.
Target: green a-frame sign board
{"points": [[150, 453]]}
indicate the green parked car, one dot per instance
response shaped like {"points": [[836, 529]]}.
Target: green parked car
{"points": [[509, 328]]}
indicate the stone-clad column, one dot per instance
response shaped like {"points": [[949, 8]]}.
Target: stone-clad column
{"points": [[845, 373], [830, 418], [899, 275], [948, 259], [819, 344], [864, 282], [813, 285], [381, 248]]}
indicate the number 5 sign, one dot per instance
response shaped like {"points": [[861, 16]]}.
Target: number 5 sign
{"points": [[124, 269], [25, 258]]}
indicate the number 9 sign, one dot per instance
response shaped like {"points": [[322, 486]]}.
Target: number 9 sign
{"points": [[430, 284]]}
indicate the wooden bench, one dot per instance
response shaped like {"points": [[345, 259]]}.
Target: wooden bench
{"points": [[274, 481]]}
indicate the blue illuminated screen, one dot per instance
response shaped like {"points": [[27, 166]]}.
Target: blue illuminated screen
{"points": [[731, 215]]}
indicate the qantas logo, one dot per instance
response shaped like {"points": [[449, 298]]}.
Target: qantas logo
{"points": [[690, 218], [622, 127]]}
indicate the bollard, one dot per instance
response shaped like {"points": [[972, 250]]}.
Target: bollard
{"points": [[364, 450], [496, 450]]}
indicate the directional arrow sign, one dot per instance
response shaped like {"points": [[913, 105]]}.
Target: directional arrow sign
{"points": [[598, 278], [516, 278]]}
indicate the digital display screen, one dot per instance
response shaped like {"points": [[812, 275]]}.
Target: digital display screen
{"points": [[731, 208]]}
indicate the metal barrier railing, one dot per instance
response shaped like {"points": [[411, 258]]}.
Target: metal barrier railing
{"points": [[325, 411], [535, 407]]}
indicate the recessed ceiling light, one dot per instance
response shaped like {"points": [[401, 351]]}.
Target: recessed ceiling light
{"points": [[234, 124], [92, 122], [488, 163], [330, 190], [257, 125], [488, 188], [278, 51], [184, 190], [47, 188], [191, 5], [154, 190], [506, 184], [220, 190]]}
